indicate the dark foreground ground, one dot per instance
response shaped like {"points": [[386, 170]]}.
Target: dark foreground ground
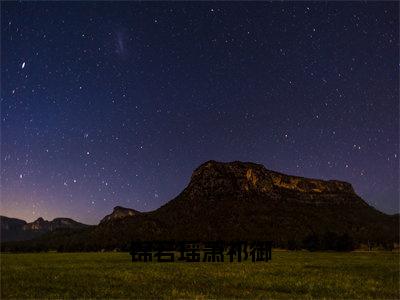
{"points": [[288, 275]]}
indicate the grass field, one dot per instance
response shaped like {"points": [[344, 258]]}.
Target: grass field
{"points": [[288, 275]]}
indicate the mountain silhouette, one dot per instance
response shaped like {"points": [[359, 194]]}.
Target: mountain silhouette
{"points": [[17, 230], [240, 200]]}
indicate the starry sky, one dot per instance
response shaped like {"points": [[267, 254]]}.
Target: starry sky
{"points": [[116, 103]]}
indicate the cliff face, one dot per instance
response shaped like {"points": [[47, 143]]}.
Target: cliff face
{"points": [[38, 224], [120, 212], [306, 185], [236, 177], [239, 180], [241, 177]]}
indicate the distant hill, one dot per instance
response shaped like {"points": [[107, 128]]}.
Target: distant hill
{"points": [[240, 200], [17, 230]]}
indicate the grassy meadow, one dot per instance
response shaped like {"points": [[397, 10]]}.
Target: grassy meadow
{"points": [[288, 275]]}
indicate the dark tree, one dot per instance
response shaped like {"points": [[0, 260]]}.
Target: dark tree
{"points": [[311, 242]]}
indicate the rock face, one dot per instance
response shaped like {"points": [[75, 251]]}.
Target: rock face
{"points": [[120, 212], [15, 229], [237, 176]]}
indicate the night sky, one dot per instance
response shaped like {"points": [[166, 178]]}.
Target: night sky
{"points": [[116, 103]]}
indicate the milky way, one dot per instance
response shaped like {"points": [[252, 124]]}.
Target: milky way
{"points": [[106, 104]]}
